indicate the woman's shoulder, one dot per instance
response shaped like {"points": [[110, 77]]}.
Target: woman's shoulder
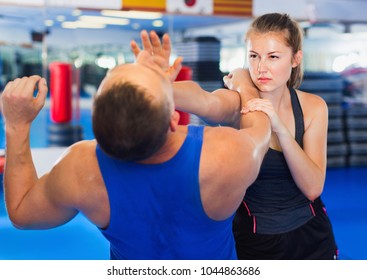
{"points": [[314, 107], [311, 100]]}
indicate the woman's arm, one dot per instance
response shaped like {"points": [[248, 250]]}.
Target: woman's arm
{"points": [[307, 165]]}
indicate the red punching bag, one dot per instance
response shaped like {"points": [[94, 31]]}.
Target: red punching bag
{"points": [[61, 92], [185, 74]]}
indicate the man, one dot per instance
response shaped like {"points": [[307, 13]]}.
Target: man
{"points": [[155, 189]]}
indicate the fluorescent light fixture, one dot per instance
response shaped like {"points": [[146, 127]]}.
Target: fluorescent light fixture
{"points": [[132, 14], [81, 24], [60, 18], [105, 20], [49, 22], [158, 23], [76, 13]]}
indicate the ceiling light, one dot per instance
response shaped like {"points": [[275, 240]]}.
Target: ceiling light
{"points": [[158, 23], [132, 14], [76, 12], [60, 18], [81, 24], [105, 20], [49, 22]]}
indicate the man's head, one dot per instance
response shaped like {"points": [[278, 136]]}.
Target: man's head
{"points": [[133, 110]]}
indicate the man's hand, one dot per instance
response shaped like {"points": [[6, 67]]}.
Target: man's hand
{"points": [[19, 105], [240, 80], [153, 45], [161, 51]]}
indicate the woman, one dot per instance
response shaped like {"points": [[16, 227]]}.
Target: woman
{"points": [[282, 215]]}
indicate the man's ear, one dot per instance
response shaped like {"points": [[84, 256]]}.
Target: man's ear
{"points": [[175, 118]]}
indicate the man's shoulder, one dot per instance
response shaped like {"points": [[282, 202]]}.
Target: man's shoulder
{"points": [[220, 132], [221, 139], [80, 153]]}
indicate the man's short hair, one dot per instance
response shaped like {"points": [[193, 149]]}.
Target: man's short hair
{"points": [[128, 123]]}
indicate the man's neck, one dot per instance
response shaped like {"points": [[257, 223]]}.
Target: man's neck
{"points": [[170, 148]]}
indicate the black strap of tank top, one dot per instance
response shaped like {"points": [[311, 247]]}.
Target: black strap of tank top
{"points": [[298, 117]]}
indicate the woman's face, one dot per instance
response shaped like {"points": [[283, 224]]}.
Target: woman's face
{"points": [[270, 60]]}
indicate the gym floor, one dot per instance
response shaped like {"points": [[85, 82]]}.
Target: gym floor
{"points": [[345, 196]]}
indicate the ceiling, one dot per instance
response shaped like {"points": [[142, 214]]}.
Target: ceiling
{"points": [[34, 18], [344, 11], [231, 29]]}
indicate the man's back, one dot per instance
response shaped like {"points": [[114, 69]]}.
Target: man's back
{"points": [[156, 209]]}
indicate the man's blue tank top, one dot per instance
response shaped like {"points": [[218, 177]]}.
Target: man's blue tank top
{"points": [[156, 209], [274, 201]]}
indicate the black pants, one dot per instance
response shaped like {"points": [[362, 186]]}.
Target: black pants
{"points": [[312, 241]]}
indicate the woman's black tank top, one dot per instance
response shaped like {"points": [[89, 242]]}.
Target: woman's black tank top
{"points": [[274, 200]]}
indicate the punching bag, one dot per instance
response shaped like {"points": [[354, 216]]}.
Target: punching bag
{"points": [[61, 92], [185, 74], [61, 130]]}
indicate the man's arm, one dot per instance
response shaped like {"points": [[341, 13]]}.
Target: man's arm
{"points": [[242, 152], [230, 163], [240, 81], [221, 106], [255, 126], [25, 194]]}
